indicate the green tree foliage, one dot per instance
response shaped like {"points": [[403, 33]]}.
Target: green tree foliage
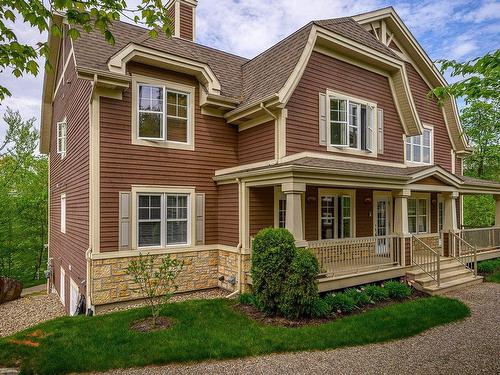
{"points": [[480, 78], [82, 16], [23, 202]]}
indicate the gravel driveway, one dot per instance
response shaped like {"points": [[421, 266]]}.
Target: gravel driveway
{"points": [[28, 311], [467, 347]]}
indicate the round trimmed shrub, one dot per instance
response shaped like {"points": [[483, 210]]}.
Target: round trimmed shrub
{"points": [[341, 302], [376, 293], [301, 287], [397, 290], [273, 251]]}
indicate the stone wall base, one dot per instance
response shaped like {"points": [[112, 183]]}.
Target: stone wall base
{"points": [[202, 270]]}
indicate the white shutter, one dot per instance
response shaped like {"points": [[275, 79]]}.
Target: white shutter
{"points": [[124, 216], [322, 119], [369, 129], [200, 218], [380, 130]]}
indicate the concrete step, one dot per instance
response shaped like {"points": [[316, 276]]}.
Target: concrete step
{"points": [[447, 276], [448, 266], [452, 285]]}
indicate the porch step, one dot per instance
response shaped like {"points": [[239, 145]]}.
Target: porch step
{"points": [[451, 285], [454, 275]]}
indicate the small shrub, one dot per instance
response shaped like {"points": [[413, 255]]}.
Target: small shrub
{"points": [[156, 279], [341, 302], [488, 266], [247, 299], [273, 251], [397, 290], [320, 308], [377, 293], [359, 297], [301, 287]]}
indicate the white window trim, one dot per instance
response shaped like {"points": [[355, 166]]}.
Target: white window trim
{"points": [[167, 86], [330, 94], [148, 189], [390, 210], [427, 197], [59, 137], [338, 193], [415, 163], [63, 213], [440, 200]]}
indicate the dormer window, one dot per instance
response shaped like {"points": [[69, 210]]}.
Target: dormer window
{"points": [[351, 124], [419, 148], [164, 114]]}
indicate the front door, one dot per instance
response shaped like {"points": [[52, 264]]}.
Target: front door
{"points": [[382, 223]]}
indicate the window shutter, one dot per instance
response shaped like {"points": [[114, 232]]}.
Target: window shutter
{"points": [[125, 223], [322, 119], [380, 130], [369, 129], [200, 218]]}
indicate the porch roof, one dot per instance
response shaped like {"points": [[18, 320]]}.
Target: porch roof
{"points": [[404, 174]]}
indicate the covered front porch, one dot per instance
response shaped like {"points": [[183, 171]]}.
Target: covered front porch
{"points": [[366, 226]]}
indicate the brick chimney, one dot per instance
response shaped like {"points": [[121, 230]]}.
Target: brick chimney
{"points": [[183, 14]]}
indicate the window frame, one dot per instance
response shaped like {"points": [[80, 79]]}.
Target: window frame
{"points": [[167, 86], [61, 137], [409, 141], [163, 136], [371, 124], [418, 197], [339, 196], [163, 191]]}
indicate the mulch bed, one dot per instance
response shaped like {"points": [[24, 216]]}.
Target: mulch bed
{"points": [[147, 325], [280, 321]]}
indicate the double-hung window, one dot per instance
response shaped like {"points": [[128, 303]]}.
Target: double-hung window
{"points": [[419, 148], [164, 115], [418, 215], [163, 219], [351, 124], [61, 138]]}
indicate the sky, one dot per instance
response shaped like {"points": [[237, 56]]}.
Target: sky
{"points": [[446, 29]]}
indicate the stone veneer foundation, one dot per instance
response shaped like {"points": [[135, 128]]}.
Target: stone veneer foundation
{"points": [[202, 270]]}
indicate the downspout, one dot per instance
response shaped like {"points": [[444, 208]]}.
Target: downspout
{"points": [[277, 136], [240, 245]]}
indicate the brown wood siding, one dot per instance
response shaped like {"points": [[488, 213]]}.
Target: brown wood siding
{"points": [[261, 212], [124, 164], [458, 166], [256, 144], [227, 213], [394, 46], [311, 214], [364, 221], [430, 181], [71, 176], [430, 113], [322, 72], [434, 213], [186, 19]]}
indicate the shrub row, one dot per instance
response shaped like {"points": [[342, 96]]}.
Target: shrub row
{"points": [[488, 266]]}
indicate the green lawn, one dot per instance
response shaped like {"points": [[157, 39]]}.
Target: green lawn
{"points": [[208, 329]]}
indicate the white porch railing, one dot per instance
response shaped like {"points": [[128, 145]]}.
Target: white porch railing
{"points": [[483, 239], [463, 252], [426, 258], [354, 255]]}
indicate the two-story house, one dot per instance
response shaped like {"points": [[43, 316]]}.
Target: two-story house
{"points": [[165, 146]]}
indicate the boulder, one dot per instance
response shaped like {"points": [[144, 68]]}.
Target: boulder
{"points": [[10, 289]]}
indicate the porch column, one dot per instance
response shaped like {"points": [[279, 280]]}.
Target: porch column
{"points": [[450, 224], [294, 221], [497, 210], [401, 224]]}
